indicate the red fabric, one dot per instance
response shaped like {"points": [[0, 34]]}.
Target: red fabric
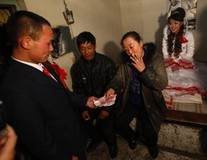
{"points": [[45, 71], [182, 39], [61, 72], [181, 63], [189, 90]]}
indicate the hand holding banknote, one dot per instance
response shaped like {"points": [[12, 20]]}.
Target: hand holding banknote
{"points": [[103, 101]]}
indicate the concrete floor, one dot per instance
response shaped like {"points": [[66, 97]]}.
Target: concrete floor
{"points": [[176, 142], [140, 153]]}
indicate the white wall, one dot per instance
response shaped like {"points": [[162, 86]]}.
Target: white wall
{"points": [[201, 32], [149, 18], [142, 16], [101, 17], [145, 17], [108, 20]]}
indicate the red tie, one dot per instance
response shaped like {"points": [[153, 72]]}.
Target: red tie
{"points": [[45, 71]]}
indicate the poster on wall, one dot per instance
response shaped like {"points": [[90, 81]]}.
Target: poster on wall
{"points": [[190, 7]]}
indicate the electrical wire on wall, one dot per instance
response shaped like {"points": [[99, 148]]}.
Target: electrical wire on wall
{"points": [[68, 16]]}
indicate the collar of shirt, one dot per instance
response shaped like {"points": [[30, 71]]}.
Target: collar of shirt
{"points": [[37, 66]]}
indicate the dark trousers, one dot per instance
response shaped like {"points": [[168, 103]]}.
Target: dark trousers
{"points": [[101, 129], [143, 127]]}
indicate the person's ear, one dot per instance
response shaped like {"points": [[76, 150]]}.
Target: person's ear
{"points": [[25, 42], [141, 43]]}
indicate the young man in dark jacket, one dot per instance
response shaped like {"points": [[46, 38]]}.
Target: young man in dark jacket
{"points": [[90, 76]]}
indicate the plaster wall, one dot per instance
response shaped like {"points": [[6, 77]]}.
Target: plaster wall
{"points": [[102, 18], [109, 20], [149, 18]]}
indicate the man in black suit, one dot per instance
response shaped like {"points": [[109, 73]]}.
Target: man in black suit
{"points": [[39, 107]]}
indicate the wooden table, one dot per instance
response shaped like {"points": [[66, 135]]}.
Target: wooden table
{"points": [[194, 114]]}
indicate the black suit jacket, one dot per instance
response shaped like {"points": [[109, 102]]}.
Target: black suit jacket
{"points": [[42, 113]]}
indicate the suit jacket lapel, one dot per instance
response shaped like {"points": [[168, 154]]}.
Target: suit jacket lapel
{"points": [[34, 74]]}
